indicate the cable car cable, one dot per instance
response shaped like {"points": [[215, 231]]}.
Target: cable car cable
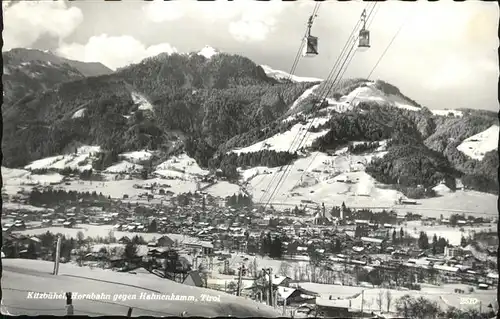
{"points": [[329, 77], [369, 75], [292, 71], [298, 147], [331, 86], [287, 173], [326, 81]]}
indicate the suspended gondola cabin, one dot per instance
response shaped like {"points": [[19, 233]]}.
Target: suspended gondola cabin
{"points": [[311, 43], [310, 47], [364, 35], [364, 39]]}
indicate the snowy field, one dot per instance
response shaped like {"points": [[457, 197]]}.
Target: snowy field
{"points": [[452, 234], [80, 160], [292, 140], [476, 146], [341, 178], [182, 164], [22, 276]]}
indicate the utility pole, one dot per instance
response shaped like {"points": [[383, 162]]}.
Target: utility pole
{"points": [[238, 291], [284, 307], [269, 271], [58, 254], [69, 304], [362, 300]]}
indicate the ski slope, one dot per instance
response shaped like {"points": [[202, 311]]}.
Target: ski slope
{"points": [[476, 146], [304, 95], [291, 141], [22, 276]]}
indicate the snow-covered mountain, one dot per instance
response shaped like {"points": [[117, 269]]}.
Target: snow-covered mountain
{"points": [[282, 75], [208, 52], [224, 113]]}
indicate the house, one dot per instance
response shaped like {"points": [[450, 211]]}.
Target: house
{"points": [[194, 279], [69, 224], [165, 241], [373, 241], [329, 307], [288, 295], [282, 281], [124, 240]]}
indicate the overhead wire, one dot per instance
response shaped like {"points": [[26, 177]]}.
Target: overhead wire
{"points": [[297, 57], [291, 73], [368, 77], [330, 75], [340, 75], [325, 93]]}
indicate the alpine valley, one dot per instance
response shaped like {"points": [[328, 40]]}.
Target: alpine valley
{"points": [[222, 124]]}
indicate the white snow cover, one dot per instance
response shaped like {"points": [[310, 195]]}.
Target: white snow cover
{"points": [[142, 101], [80, 161], [446, 112], [304, 95], [208, 52], [282, 142], [123, 167], [137, 156], [370, 93], [78, 113], [21, 275], [281, 75], [178, 165], [476, 146]]}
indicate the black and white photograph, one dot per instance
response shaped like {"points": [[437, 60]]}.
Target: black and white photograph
{"points": [[293, 159]]}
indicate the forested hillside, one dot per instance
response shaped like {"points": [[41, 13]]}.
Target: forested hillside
{"points": [[27, 71], [209, 107], [207, 100]]}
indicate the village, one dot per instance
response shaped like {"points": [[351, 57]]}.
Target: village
{"points": [[282, 258]]}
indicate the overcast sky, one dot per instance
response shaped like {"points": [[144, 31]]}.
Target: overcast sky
{"points": [[444, 57]]}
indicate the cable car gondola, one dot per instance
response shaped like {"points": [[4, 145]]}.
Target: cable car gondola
{"points": [[311, 42], [364, 35]]}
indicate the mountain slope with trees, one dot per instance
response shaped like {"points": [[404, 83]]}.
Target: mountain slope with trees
{"points": [[27, 71], [208, 100], [212, 106]]}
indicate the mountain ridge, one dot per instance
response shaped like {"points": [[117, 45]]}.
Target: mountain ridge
{"points": [[207, 107]]}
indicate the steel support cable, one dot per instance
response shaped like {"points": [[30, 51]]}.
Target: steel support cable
{"points": [[349, 39], [369, 75], [285, 174], [298, 55], [298, 133], [296, 62], [326, 81], [346, 62]]}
